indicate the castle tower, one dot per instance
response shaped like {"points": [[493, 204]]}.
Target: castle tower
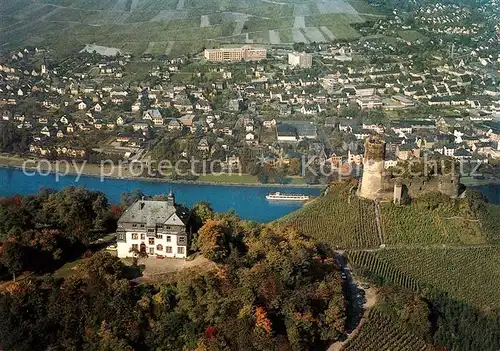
{"points": [[398, 192], [372, 183], [171, 198]]}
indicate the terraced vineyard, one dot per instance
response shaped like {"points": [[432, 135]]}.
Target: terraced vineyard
{"points": [[470, 275], [339, 219], [372, 265], [172, 25], [380, 333], [424, 224]]}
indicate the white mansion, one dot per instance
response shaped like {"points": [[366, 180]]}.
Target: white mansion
{"points": [[155, 228]]}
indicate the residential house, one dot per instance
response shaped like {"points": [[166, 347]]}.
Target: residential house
{"points": [[139, 125], [153, 115], [251, 138], [203, 145], [153, 228], [82, 105], [45, 131], [174, 124]]}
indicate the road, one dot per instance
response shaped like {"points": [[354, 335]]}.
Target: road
{"points": [[359, 301]]}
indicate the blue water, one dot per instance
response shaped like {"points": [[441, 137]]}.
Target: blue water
{"points": [[491, 191], [248, 202]]}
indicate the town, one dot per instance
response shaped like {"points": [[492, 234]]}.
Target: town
{"points": [[259, 110]]}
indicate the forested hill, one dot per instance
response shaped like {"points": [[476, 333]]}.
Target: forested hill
{"points": [[271, 288]]}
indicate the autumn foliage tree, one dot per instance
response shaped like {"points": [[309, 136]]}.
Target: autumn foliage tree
{"points": [[214, 240], [273, 289]]}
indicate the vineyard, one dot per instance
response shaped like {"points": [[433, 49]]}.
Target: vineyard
{"points": [[338, 219], [372, 266], [470, 275], [426, 224], [381, 333]]}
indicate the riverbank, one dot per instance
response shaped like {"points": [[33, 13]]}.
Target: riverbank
{"points": [[248, 201], [470, 181], [124, 173]]}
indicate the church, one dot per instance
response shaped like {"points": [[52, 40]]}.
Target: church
{"points": [[152, 228]]}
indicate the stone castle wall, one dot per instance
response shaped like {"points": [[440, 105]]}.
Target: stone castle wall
{"points": [[377, 183], [417, 186]]}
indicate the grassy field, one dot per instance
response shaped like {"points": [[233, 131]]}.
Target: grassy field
{"points": [[66, 26], [471, 275], [228, 178], [68, 269], [412, 36]]}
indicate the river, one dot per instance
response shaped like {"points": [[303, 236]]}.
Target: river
{"points": [[248, 202]]}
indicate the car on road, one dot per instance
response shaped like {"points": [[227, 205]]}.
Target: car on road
{"points": [[111, 248], [343, 276]]}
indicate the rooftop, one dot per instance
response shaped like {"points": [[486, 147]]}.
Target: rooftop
{"points": [[152, 212]]}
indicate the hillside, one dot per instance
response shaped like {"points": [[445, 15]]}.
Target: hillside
{"points": [[342, 219], [437, 273], [176, 27], [339, 218]]}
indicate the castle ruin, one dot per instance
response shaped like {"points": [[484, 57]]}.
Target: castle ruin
{"points": [[372, 184], [378, 183]]}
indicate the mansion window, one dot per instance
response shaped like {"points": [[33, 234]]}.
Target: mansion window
{"points": [[151, 241], [134, 225], [143, 225], [182, 240], [160, 226], [121, 236], [135, 247], [159, 236], [143, 236], [159, 247], [169, 238], [135, 236], [168, 249], [167, 227], [180, 250]]}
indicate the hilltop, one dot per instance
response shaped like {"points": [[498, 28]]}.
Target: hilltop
{"points": [[175, 27], [434, 263]]}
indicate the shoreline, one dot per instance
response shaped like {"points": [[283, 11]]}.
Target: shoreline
{"points": [[469, 181], [160, 180]]}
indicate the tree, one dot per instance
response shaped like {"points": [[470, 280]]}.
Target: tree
{"points": [[294, 167], [128, 198], [200, 213], [14, 257], [214, 240]]}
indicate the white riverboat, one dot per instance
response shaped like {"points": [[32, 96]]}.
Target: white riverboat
{"points": [[277, 196]]}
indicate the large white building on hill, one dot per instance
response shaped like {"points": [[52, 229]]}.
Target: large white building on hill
{"points": [[300, 59], [153, 228], [244, 53]]}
